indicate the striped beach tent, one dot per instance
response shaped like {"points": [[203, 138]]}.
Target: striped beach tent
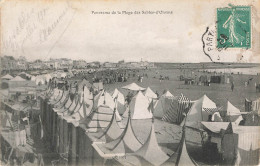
{"points": [[177, 110]]}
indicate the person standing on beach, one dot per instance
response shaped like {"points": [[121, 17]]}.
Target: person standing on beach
{"points": [[232, 86]]}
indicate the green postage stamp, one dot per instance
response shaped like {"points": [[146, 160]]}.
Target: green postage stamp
{"points": [[234, 27]]}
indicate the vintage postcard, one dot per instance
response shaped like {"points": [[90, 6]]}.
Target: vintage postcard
{"points": [[130, 82]]}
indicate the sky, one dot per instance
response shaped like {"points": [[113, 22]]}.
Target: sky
{"points": [[69, 29]]}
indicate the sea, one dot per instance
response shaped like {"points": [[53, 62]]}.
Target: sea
{"points": [[245, 71]]}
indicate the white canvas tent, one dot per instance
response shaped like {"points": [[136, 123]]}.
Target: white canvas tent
{"points": [[133, 87], [139, 107], [181, 157], [150, 94], [161, 106], [168, 94], [7, 77], [126, 143], [40, 80], [98, 119], [17, 78], [197, 112], [111, 132], [105, 99], [233, 113], [151, 151], [120, 101]]}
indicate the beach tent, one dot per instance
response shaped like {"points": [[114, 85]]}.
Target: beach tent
{"points": [[97, 86], [88, 98], [256, 106], [103, 98], [79, 113], [47, 77], [150, 94], [252, 119], [33, 78], [162, 105], [83, 83], [98, 119], [111, 132], [126, 142], [120, 101], [73, 106], [181, 156], [229, 144], [239, 144], [248, 145], [168, 94], [151, 151], [17, 78], [25, 75], [200, 111], [233, 113], [62, 100], [83, 110], [57, 98], [19, 82], [63, 75], [133, 87], [40, 80], [177, 110], [7, 77], [139, 107]]}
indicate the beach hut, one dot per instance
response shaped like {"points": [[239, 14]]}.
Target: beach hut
{"points": [[239, 144], [151, 151], [133, 87], [139, 107], [120, 101], [248, 145], [200, 111]]}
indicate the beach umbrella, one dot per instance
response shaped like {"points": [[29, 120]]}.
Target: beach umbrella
{"points": [[134, 87]]}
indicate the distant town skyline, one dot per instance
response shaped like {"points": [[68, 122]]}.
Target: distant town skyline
{"points": [[71, 30]]}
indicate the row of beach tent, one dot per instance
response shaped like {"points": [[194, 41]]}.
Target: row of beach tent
{"points": [[101, 115], [101, 118]]}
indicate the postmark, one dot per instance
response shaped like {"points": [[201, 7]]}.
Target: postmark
{"points": [[234, 27]]}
